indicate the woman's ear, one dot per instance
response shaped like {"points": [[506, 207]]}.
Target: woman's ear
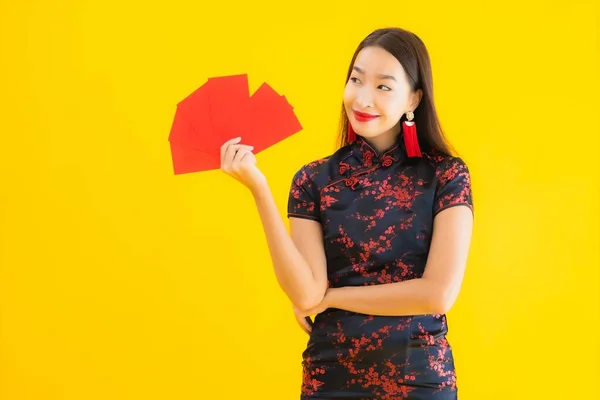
{"points": [[416, 99]]}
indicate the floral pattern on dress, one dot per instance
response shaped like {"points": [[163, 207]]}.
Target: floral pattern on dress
{"points": [[376, 210]]}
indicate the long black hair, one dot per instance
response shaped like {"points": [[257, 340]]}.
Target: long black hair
{"points": [[412, 54]]}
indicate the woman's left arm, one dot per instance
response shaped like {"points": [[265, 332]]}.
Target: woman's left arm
{"points": [[434, 293]]}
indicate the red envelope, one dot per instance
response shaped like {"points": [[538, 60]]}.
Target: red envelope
{"points": [[266, 120], [228, 95], [220, 110], [186, 156], [197, 129]]}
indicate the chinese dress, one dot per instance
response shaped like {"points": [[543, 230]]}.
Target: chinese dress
{"points": [[376, 210]]}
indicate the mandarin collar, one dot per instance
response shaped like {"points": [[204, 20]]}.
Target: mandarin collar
{"points": [[368, 155]]}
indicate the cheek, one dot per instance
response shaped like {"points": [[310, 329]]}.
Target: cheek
{"points": [[348, 96], [393, 107]]}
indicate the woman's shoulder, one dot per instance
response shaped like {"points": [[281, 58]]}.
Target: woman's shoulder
{"points": [[443, 162], [319, 170]]}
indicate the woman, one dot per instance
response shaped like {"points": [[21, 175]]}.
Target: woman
{"points": [[380, 232]]}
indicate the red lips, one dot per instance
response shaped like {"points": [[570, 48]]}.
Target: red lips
{"points": [[364, 117]]}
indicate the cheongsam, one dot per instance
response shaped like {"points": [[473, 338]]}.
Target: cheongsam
{"points": [[376, 210]]}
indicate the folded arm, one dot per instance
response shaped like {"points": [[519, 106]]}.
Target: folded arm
{"points": [[299, 257], [434, 293]]}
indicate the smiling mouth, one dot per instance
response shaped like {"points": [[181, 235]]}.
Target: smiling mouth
{"points": [[364, 117]]}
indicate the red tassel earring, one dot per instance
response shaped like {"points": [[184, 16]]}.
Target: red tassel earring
{"points": [[411, 140], [351, 134]]}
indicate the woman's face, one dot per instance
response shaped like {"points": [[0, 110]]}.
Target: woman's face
{"points": [[377, 94]]}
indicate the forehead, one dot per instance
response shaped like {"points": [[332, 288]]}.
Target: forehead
{"points": [[375, 60]]}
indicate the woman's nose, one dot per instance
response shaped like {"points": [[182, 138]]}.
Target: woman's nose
{"points": [[364, 98]]}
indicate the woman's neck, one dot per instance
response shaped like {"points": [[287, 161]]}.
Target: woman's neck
{"points": [[384, 141]]}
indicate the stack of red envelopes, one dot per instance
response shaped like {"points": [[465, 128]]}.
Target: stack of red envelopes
{"points": [[223, 109]]}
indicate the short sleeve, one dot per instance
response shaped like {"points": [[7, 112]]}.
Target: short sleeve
{"points": [[454, 186], [303, 199]]}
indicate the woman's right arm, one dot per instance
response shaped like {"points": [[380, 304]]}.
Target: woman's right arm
{"points": [[299, 257]]}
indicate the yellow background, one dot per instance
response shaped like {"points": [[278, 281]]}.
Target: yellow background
{"points": [[120, 280]]}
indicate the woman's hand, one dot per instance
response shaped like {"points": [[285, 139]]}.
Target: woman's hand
{"points": [[238, 161], [303, 316], [305, 322]]}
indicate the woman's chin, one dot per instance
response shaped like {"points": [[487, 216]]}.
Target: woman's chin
{"points": [[369, 133]]}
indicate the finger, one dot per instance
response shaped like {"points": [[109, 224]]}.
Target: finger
{"points": [[226, 145], [308, 323], [239, 156], [249, 158], [237, 160], [306, 327], [230, 153], [240, 152]]}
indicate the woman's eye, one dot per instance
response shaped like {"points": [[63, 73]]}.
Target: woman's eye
{"points": [[383, 87]]}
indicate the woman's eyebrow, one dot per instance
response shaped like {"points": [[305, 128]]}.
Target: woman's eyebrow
{"points": [[381, 76]]}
